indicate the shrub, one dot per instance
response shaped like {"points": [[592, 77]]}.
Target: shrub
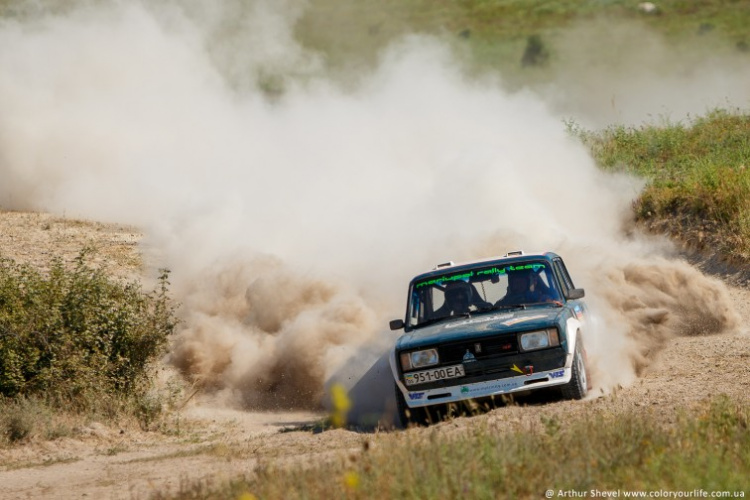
{"points": [[21, 419], [77, 338], [535, 53]]}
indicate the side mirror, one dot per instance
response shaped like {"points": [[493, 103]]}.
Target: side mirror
{"points": [[575, 293], [396, 324]]}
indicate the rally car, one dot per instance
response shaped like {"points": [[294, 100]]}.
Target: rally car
{"points": [[485, 329]]}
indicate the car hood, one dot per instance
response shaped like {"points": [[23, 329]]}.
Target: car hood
{"points": [[482, 325]]}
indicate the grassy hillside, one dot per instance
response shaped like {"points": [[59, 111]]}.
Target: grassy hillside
{"points": [[499, 33], [496, 33], [699, 178]]}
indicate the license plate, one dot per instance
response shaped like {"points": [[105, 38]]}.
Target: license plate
{"points": [[434, 374]]}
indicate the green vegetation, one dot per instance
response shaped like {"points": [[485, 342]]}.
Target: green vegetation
{"points": [[708, 448], [699, 177], [496, 33], [75, 340]]}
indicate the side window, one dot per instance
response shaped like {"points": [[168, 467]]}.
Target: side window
{"points": [[423, 303], [418, 306], [562, 275], [548, 284]]}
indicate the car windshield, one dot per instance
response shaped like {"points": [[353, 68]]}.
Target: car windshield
{"points": [[481, 289]]}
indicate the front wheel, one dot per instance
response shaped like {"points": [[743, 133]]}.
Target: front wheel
{"points": [[578, 386]]}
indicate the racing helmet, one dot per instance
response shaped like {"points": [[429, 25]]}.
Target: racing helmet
{"points": [[515, 276]]}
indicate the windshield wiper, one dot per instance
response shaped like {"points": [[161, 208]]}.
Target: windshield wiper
{"points": [[555, 303], [524, 305]]}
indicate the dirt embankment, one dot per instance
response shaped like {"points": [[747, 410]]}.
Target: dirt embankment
{"points": [[99, 461]]}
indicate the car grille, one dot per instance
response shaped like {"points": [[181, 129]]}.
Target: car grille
{"points": [[480, 348]]}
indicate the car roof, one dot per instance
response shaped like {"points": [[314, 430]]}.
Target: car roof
{"points": [[509, 258]]}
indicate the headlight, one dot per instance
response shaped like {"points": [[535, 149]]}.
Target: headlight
{"points": [[418, 359], [541, 339]]}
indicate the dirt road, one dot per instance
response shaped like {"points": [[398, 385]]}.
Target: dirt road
{"points": [[206, 442]]}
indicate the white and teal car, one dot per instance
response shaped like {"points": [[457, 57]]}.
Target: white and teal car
{"points": [[480, 330]]}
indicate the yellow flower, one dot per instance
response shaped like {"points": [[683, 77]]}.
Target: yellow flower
{"points": [[351, 480], [341, 405]]}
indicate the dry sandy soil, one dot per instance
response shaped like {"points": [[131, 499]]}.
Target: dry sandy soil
{"points": [[205, 442]]}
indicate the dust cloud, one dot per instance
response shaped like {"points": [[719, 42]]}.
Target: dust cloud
{"points": [[654, 300], [293, 212], [621, 72], [268, 332]]}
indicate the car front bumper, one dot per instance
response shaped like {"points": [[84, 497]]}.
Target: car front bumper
{"points": [[494, 387]]}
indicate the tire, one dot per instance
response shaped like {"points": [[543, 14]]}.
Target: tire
{"points": [[578, 386]]}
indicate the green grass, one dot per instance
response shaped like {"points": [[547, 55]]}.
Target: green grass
{"points": [[708, 448], [698, 173]]}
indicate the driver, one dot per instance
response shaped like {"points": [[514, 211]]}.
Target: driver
{"points": [[523, 289]]}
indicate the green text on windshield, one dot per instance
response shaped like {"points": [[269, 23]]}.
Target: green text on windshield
{"points": [[481, 273]]}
